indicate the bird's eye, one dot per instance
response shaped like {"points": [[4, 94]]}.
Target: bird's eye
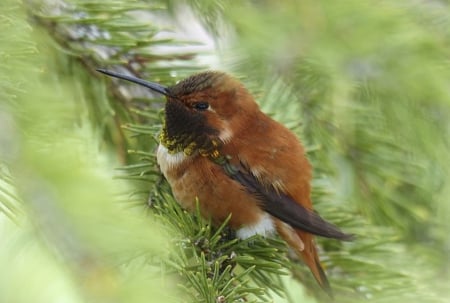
{"points": [[201, 106]]}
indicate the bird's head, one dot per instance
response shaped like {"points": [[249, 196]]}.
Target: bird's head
{"points": [[202, 112]]}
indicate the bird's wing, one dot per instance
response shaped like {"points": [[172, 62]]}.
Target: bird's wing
{"points": [[282, 206]]}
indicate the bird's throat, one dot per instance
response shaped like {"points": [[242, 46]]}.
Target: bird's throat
{"points": [[189, 145], [177, 144]]}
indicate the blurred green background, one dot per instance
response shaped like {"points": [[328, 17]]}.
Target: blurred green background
{"points": [[364, 84]]}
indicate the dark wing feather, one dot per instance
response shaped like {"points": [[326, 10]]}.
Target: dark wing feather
{"points": [[284, 207]]}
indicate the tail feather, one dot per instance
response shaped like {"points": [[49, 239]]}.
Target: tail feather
{"points": [[303, 245], [311, 259], [323, 277]]}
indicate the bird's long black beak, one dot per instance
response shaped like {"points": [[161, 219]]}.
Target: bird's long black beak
{"points": [[153, 86]]}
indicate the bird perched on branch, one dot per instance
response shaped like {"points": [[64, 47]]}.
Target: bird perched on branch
{"points": [[218, 148]]}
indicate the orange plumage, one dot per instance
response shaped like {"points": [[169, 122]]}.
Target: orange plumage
{"points": [[218, 147]]}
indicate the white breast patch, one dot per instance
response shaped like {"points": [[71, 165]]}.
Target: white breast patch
{"points": [[168, 161]]}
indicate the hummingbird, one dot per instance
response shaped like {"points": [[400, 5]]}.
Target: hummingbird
{"points": [[218, 148]]}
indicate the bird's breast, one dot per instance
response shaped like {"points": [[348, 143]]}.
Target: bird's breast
{"points": [[196, 178]]}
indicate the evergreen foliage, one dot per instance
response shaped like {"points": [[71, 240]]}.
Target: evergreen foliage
{"points": [[365, 86]]}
